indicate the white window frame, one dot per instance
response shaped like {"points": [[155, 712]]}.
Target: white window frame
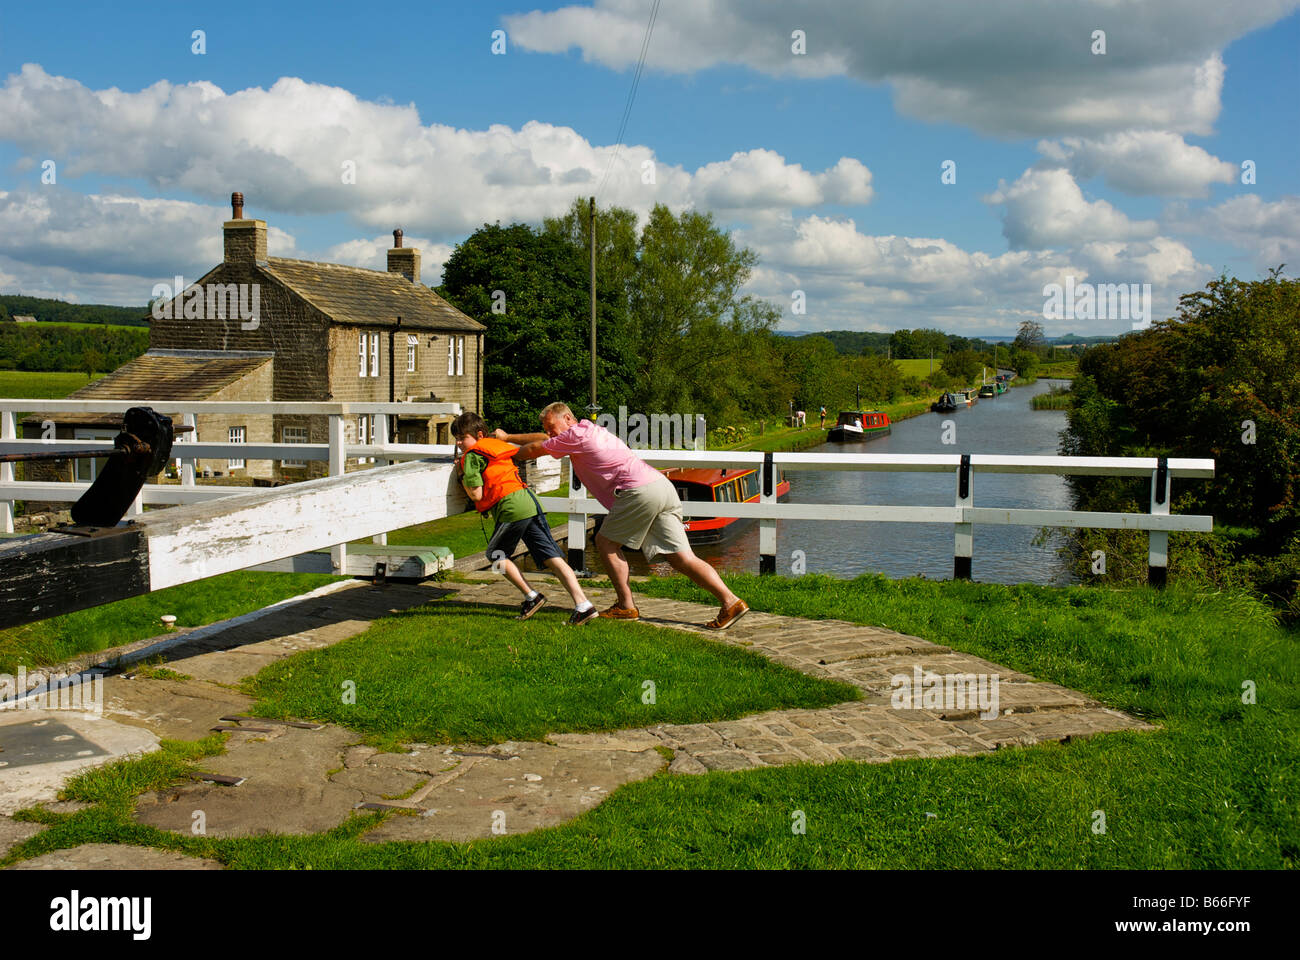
{"points": [[411, 341], [365, 433], [361, 340], [460, 356], [298, 432], [451, 356], [237, 435], [374, 354], [87, 470]]}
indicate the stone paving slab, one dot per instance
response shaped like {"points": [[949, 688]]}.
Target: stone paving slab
{"points": [[116, 856], [14, 832]]}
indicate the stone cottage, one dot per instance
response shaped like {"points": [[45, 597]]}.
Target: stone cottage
{"points": [[256, 327]]}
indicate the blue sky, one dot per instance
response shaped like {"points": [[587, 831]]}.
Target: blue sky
{"points": [[1122, 167]]}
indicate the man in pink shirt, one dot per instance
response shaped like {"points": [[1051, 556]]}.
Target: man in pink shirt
{"points": [[644, 510]]}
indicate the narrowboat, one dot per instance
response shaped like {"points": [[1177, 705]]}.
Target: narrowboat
{"points": [[988, 390], [945, 404], [736, 485], [855, 426]]}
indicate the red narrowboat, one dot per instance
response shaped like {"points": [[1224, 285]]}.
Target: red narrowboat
{"points": [[737, 485]]}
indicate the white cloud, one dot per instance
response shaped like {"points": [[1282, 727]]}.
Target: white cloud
{"points": [[858, 281], [1269, 231], [1046, 208], [1008, 67], [290, 148], [372, 253], [1142, 162]]}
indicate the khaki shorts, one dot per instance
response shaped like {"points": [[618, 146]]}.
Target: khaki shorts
{"points": [[648, 518]]}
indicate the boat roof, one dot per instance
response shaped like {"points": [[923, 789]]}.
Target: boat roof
{"points": [[703, 475]]}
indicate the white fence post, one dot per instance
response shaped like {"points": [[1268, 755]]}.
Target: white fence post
{"points": [[187, 466], [338, 466], [963, 535], [1158, 540], [8, 431], [381, 437], [577, 541], [766, 525]]}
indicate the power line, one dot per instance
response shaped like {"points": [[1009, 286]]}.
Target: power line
{"points": [[631, 95]]}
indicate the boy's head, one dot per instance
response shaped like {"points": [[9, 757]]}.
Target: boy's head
{"points": [[467, 430]]}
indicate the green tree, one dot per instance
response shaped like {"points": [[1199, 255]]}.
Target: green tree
{"points": [[963, 366], [1030, 338], [527, 289]]}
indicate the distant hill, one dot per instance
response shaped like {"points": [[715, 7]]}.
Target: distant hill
{"points": [[56, 311]]}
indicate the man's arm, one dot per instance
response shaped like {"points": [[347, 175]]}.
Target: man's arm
{"points": [[531, 450], [519, 439]]}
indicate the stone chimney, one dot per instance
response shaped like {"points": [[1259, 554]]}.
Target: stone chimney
{"points": [[245, 239], [404, 260]]}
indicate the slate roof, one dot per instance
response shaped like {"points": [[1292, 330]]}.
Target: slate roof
{"points": [[355, 295], [162, 375]]}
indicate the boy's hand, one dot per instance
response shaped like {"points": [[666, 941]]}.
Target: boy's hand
{"points": [[500, 434]]}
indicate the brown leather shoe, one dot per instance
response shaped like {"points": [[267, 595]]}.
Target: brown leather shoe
{"points": [[621, 613], [728, 616]]}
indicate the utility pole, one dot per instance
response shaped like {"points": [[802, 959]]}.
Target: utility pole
{"points": [[593, 408]]}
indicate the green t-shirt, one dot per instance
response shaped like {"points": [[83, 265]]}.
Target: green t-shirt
{"points": [[515, 506]]}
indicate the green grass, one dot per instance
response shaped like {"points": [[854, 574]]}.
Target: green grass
{"points": [[1051, 401], [918, 368], [40, 385], [53, 641], [449, 671], [1215, 787]]}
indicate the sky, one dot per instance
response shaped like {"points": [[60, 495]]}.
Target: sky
{"points": [[934, 163]]}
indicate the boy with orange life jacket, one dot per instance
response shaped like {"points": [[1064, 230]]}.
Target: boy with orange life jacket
{"points": [[492, 482]]}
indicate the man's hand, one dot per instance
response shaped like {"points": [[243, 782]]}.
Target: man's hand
{"points": [[501, 434]]}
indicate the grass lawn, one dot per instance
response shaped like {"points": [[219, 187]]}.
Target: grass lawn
{"points": [[448, 672], [1217, 786], [52, 641]]}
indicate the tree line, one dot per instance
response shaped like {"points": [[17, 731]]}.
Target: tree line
{"points": [[675, 334], [1221, 379], [56, 311], [73, 349]]}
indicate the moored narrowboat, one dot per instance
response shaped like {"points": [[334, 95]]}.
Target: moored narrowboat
{"points": [[735, 485], [855, 426]]}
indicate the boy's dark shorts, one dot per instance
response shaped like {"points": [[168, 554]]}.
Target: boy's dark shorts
{"points": [[536, 534]]}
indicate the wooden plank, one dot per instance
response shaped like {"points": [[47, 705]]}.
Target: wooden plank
{"points": [[202, 540], [47, 574], [54, 573]]}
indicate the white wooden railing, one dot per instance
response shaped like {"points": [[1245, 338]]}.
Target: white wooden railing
{"points": [[963, 514], [187, 450]]}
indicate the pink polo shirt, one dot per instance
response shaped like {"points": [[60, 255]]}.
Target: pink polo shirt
{"points": [[602, 461]]}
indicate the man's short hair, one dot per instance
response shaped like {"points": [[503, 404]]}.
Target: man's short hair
{"points": [[468, 424], [556, 409]]}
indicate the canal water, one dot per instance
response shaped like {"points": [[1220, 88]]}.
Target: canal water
{"points": [[1007, 424]]}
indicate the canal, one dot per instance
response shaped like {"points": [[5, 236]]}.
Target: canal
{"points": [[1007, 424]]}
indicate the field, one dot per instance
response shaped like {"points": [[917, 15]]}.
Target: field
{"points": [[916, 368], [41, 385]]}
